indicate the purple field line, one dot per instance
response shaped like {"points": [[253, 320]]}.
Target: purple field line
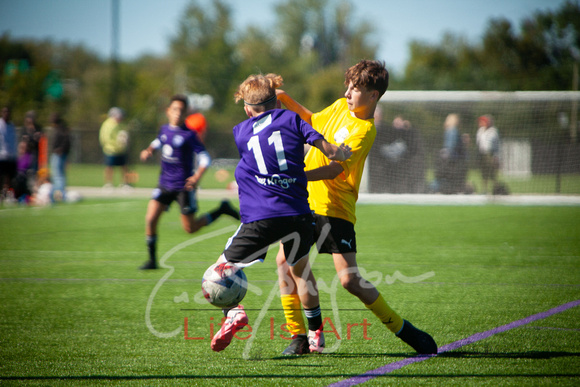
{"points": [[452, 346]]}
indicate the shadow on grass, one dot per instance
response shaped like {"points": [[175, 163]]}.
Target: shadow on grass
{"points": [[343, 356], [274, 376], [228, 377], [171, 377], [453, 354], [510, 355]]}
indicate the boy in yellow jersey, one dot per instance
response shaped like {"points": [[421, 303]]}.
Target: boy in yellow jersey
{"points": [[333, 192]]}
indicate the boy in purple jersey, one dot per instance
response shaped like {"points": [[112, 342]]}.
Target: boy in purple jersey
{"points": [[178, 146], [273, 197]]}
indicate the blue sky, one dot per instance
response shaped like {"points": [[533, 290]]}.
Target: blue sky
{"points": [[146, 26]]}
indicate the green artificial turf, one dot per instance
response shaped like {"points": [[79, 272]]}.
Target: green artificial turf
{"points": [[75, 310]]}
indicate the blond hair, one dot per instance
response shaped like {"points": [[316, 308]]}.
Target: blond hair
{"points": [[258, 89]]}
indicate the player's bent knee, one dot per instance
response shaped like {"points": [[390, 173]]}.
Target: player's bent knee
{"points": [[349, 282]]}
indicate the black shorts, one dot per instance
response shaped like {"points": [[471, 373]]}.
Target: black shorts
{"points": [[187, 199], [251, 240], [334, 235], [115, 160]]}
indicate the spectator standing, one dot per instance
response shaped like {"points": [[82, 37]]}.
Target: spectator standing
{"points": [[32, 134], [451, 170], [24, 174], [60, 150], [114, 139], [401, 150], [487, 141]]}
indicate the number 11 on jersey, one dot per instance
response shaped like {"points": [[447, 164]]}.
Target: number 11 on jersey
{"points": [[276, 139]]}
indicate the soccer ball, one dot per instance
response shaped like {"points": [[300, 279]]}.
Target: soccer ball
{"points": [[224, 285]]}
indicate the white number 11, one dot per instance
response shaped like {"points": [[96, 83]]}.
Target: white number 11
{"points": [[276, 139]]}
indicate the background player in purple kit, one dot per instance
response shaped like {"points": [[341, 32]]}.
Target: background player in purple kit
{"points": [[178, 181], [273, 197]]}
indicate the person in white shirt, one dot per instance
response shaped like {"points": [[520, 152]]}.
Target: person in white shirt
{"points": [[487, 141]]}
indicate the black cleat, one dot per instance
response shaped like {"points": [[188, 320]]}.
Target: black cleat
{"points": [[422, 342], [226, 208], [298, 346], [149, 265]]}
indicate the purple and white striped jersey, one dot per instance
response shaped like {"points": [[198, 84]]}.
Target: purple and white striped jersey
{"points": [[178, 147], [270, 175]]}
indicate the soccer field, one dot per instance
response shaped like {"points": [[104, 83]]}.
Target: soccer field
{"points": [[498, 287]]}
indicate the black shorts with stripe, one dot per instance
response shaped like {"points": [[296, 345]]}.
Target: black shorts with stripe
{"points": [[251, 240], [334, 235]]}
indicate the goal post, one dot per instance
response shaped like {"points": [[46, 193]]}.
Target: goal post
{"points": [[539, 151]]}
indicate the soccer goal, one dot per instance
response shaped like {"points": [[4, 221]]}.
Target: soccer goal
{"points": [[539, 150]]}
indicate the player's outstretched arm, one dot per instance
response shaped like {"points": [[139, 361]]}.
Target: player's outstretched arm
{"points": [[333, 152], [291, 104], [326, 172]]}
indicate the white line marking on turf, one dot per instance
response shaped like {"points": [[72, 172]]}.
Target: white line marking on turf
{"points": [[388, 368], [160, 283]]}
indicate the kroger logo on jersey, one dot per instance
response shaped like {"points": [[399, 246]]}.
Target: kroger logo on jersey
{"points": [[276, 180]]}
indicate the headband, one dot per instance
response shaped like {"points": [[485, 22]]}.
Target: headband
{"points": [[261, 103]]}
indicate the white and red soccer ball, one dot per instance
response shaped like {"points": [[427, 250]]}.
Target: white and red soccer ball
{"points": [[224, 285]]}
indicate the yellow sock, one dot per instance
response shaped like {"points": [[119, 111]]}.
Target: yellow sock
{"points": [[293, 313], [387, 316]]}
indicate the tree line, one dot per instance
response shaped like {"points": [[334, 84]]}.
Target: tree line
{"points": [[311, 45]]}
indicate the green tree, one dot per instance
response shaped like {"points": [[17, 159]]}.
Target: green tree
{"points": [[541, 55], [311, 44], [322, 33], [22, 77], [318, 41], [204, 51]]}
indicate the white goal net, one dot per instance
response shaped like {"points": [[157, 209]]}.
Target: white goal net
{"points": [[539, 151]]}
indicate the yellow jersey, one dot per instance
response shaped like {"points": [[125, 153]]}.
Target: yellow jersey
{"points": [[337, 197], [113, 137]]}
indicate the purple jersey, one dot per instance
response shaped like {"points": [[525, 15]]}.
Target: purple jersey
{"points": [[270, 175], [178, 146]]}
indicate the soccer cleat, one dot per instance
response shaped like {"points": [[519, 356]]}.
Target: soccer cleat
{"points": [[316, 340], [149, 265], [422, 342], [298, 346], [226, 208], [236, 320]]}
